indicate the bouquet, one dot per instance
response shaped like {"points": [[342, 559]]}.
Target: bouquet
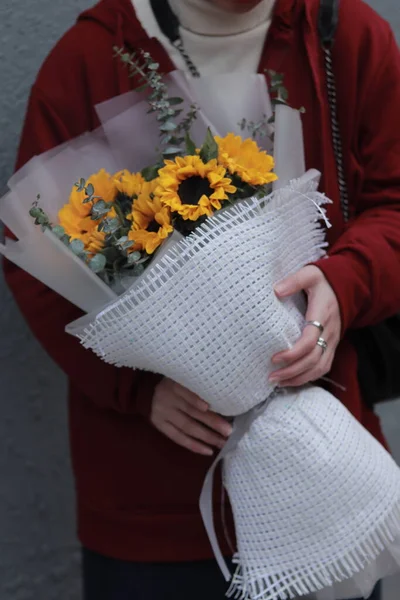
{"points": [[175, 265]]}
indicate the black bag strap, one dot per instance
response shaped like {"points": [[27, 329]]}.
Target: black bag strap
{"points": [[166, 19], [168, 23], [328, 21]]}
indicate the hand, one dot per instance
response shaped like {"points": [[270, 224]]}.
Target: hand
{"points": [[307, 361], [187, 420]]}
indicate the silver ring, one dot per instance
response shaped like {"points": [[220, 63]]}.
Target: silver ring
{"points": [[322, 344], [316, 324]]}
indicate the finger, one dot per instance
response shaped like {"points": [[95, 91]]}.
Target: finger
{"points": [[211, 419], [180, 438], [297, 282], [191, 398], [196, 430], [305, 364], [308, 376], [304, 346]]}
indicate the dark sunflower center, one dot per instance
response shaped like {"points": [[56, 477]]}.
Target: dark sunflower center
{"points": [[153, 226], [192, 189]]}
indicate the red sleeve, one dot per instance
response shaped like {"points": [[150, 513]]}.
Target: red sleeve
{"points": [[47, 313], [364, 264]]}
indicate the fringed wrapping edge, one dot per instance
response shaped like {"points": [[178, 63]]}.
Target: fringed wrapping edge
{"points": [[249, 583]]}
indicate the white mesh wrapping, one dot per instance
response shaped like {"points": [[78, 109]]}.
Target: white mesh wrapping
{"points": [[207, 316], [316, 500], [315, 497]]}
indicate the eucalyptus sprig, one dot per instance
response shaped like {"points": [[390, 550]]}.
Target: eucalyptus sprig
{"points": [[173, 134], [257, 129]]}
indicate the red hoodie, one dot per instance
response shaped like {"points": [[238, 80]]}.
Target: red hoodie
{"points": [[137, 491]]}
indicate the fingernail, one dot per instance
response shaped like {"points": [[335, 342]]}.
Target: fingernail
{"points": [[273, 378], [280, 289], [208, 452], [221, 444], [227, 430]]}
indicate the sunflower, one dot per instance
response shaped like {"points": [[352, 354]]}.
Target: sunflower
{"points": [[130, 186], [151, 223], [193, 188], [75, 216], [245, 159]]}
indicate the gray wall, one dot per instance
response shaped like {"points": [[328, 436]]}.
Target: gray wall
{"points": [[38, 551]]}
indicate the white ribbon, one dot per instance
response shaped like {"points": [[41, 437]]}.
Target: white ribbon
{"points": [[241, 426]]}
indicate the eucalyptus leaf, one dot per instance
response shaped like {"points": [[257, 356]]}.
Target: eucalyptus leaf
{"points": [[58, 231], [99, 209], [172, 151], [89, 189], [42, 219], [97, 263], [209, 150], [168, 126], [175, 101], [81, 184], [77, 247], [133, 258], [110, 225], [35, 212]]}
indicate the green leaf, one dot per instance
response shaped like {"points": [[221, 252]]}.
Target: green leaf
{"points": [[42, 219], [58, 231], [175, 101], [190, 145], [89, 189], [81, 184], [97, 263], [153, 66], [35, 212], [166, 114], [125, 243], [209, 150], [77, 247], [110, 225], [99, 209], [172, 151], [133, 257], [168, 126], [150, 173]]}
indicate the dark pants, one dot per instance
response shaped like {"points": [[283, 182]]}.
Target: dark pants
{"points": [[110, 579]]}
